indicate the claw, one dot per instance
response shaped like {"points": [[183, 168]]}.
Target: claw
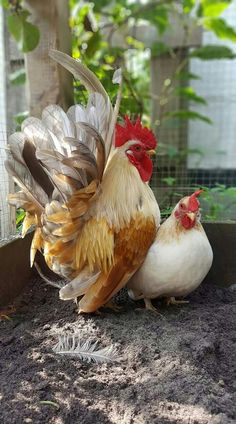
{"points": [[4, 313], [149, 306]]}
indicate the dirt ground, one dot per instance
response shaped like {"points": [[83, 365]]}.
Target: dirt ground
{"points": [[178, 368]]}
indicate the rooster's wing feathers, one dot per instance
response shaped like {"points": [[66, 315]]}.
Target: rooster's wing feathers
{"points": [[58, 162]]}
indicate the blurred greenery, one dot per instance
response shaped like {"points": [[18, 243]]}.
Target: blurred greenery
{"points": [[106, 35], [217, 203]]}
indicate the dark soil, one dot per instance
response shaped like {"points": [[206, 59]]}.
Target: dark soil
{"points": [[178, 368]]}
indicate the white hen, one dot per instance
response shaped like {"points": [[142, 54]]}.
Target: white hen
{"points": [[178, 260]]}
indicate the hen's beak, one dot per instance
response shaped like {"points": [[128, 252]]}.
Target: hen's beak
{"points": [[151, 152], [192, 216]]}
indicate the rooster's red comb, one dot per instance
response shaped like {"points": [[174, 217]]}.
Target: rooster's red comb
{"points": [[134, 132], [193, 201]]}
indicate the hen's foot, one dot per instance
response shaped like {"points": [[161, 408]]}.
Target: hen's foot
{"points": [[173, 301], [149, 306]]}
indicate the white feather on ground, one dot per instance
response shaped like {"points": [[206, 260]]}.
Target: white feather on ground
{"points": [[73, 345]]}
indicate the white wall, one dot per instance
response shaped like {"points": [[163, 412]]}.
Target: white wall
{"points": [[218, 87]]}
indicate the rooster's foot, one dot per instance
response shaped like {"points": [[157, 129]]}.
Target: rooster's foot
{"points": [[172, 301], [81, 312], [4, 313], [111, 305]]}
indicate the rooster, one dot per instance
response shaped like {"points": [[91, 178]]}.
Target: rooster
{"points": [[178, 260], [94, 214]]}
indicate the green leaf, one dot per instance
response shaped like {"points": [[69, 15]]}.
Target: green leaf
{"points": [[18, 77], [93, 44], [211, 52], [188, 114], [185, 76], [170, 181], [100, 4], [220, 28], [30, 37], [132, 42], [188, 5], [20, 117], [5, 4], [172, 152], [189, 93], [214, 8], [231, 191], [166, 212], [158, 48], [26, 34], [14, 23], [154, 14], [20, 215], [161, 18]]}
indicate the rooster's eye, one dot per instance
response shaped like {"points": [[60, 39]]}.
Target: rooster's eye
{"points": [[181, 206], [138, 148]]}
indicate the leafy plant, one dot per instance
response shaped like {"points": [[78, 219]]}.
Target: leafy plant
{"points": [[219, 202], [24, 32]]}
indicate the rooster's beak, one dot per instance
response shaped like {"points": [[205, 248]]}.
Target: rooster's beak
{"points": [[151, 152], [192, 216]]}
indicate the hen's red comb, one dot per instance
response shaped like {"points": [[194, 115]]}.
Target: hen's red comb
{"points": [[193, 201], [134, 132]]}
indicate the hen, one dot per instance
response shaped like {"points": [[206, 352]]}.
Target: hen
{"points": [[178, 260], [94, 213]]}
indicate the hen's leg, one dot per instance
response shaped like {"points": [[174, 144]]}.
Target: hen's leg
{"points": [[149, 306]]}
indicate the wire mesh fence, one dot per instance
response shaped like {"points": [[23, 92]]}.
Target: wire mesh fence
{"points": [[199, 153]]}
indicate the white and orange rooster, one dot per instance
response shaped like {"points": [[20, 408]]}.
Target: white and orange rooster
{"points": [[94, 213], [178, 260]]}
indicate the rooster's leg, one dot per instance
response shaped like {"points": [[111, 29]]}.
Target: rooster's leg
{"points": [[4, 313], [111, 305], [172, 301]]}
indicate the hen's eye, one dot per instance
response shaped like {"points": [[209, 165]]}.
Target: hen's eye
{"points": [[181, 206]]}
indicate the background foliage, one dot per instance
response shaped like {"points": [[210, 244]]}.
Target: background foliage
{"points": [[94, 26]]}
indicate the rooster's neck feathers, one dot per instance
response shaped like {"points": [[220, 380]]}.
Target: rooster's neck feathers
{"points": [[123, 194]]}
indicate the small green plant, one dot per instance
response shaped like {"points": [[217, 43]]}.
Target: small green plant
{"points": [[20, 215], [219, 203]]}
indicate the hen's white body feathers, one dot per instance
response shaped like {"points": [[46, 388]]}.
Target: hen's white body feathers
{"points": [[175, 265]]}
